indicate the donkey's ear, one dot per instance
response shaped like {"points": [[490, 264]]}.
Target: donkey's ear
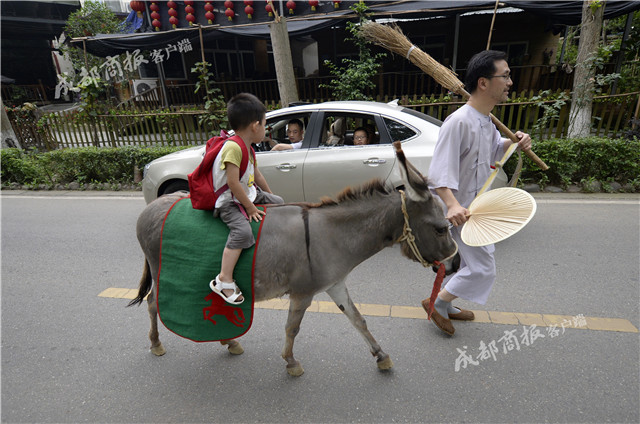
{"points": [[415, 184]]}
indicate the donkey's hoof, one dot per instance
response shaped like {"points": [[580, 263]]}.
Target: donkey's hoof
{"points": [[158, 350], [235, 348], [385, 364], [295, 370]]}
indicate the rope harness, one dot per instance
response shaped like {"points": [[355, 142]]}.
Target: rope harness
{"points": [[407, 235]]}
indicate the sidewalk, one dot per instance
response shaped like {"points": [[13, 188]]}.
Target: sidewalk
{"points": [[70, 193], [540, 197]]}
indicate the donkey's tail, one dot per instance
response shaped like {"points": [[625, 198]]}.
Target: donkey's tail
{"points": [[145, 285]]}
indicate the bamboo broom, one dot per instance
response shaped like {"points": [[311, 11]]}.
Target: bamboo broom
{"points": [[392, 39]]}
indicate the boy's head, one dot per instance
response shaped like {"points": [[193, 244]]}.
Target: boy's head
{"points": [[360, 136], [294, 130], [482, 65], [243, 110]]}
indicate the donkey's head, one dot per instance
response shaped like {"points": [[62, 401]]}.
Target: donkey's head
{"points": [[426, 219]]}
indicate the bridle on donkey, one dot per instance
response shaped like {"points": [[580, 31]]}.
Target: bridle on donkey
{"points": [[407, 235]]}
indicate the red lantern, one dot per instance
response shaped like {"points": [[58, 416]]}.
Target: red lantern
{"points": [[138, 6], [173, 20], [249, 11], [155, 16], [229, 13], [336, 3], [209, 14], [268, 8], [313, 4], [190, 12], [291, 5]]}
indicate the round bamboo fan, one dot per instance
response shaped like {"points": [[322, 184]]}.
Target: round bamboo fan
{"points": [[497, 215]]}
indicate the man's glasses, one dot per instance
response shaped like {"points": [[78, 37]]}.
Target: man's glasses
{"points": [[506, 77], [360, 137]]}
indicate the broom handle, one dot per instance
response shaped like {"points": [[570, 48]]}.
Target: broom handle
{"points": [[502, 127], [506, 131], [442, 75]]}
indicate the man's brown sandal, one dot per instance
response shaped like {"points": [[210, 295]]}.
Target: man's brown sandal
{"points": [[442, 323], [463, 315]]}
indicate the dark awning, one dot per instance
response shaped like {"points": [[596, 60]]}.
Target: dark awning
{"points": [[35, 20], [112, 45], [305, 22], [570, 12]]}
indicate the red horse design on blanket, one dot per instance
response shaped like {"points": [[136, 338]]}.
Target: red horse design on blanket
{"points": [[219, 307]]}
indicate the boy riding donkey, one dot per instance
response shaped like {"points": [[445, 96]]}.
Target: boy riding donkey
{"points": [[238, 193]]}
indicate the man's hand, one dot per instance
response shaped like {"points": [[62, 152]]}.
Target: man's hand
{"points": [[525, 141], [281, 147], [457, 215], [255, 214]]}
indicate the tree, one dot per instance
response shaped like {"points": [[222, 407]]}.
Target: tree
{"points": [[93, 18], [282, 59], [585, 71], [352, 80], [9, 138]]}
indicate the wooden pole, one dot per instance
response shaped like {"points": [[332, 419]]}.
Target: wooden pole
{"points": [[454, 64], [84, 47], [635, 115], [201, 43], [495, 11], [204, 66]]}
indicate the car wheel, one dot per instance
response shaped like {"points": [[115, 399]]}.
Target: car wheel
{"points": [[174, 186]]}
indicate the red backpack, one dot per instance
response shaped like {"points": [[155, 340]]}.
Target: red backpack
{"points": [[202, 194]]}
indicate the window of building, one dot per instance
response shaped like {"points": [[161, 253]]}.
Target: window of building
{"points": [[174, 68], [233, 59], [515, 51]]}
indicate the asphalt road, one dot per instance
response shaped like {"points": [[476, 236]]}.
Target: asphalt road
{"points": [[69, 355]]}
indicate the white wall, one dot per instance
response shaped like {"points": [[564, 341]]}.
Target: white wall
{"points": [[310, 59]]}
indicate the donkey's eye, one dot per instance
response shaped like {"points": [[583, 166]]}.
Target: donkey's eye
{"points": [[442, 230]]}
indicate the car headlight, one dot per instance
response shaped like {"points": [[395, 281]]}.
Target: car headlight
{"points": [[145, 170]]}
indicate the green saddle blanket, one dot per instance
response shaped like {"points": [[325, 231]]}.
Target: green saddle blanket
{"points": [[190, 257]]}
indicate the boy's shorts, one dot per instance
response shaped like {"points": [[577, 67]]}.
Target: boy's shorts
{"points": [[240, 232]]}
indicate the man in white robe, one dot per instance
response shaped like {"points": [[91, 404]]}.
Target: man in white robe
{"points": [[468, 145]]}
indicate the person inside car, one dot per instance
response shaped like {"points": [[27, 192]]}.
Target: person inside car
{"points": [[361, 137], [295, 133]]}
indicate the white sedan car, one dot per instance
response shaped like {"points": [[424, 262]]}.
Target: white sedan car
{"points": [[328, 160]]}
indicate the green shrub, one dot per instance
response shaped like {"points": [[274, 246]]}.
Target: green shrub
{"points": [[570, 162], [84, 165], [574, 160], [21, 167]]}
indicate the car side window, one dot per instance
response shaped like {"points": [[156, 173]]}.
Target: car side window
{"points": [[348, 129], [277, 128], [397, 130]]}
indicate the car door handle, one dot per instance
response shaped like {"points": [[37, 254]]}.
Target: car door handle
{"points": [[286, 166], [374, 161]]}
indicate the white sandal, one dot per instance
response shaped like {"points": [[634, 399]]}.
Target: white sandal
{"points": [[217, 286]]}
